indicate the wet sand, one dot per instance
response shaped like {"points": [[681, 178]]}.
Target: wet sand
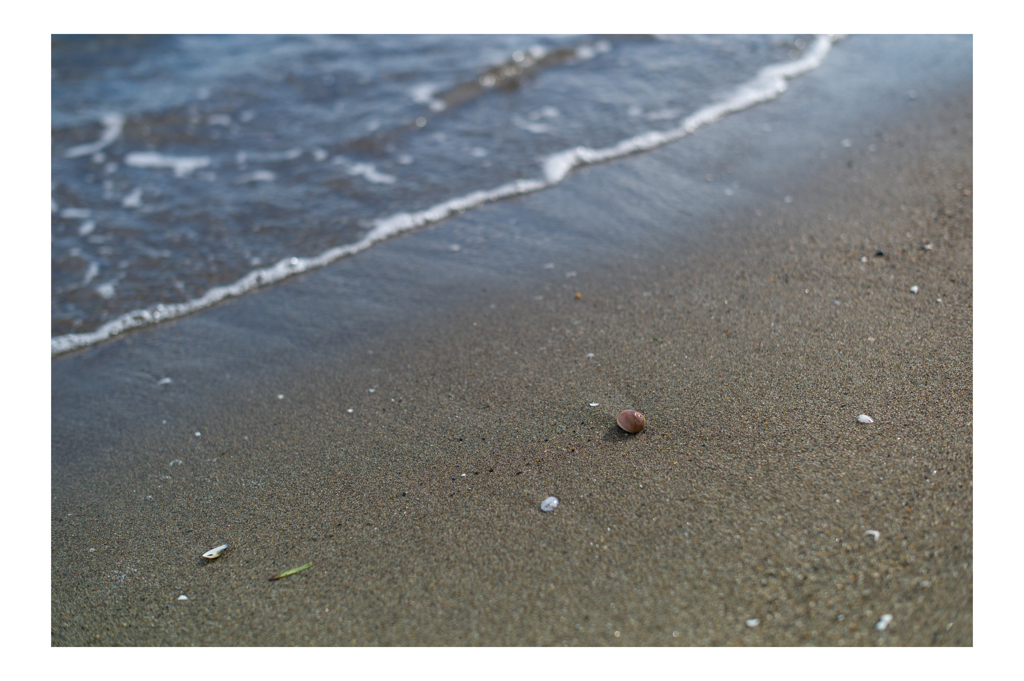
{"points": [[744, 515]]}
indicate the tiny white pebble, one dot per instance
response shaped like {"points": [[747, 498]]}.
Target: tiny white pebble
{"points": [[863, 258], [884, 622], [372, 390], [182, 597], [280, 397], [549, 504], [753, 622], [590, 355], [864, 418], [914, 289], [463, 475], [455, 248], [350, 410], [198, 433]]}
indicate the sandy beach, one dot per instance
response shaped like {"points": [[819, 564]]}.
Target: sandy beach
{"points": [[401, 437]]}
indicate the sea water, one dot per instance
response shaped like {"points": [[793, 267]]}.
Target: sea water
{"points": [[190, 169]]}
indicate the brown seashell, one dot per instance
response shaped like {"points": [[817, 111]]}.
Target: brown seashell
{"points": [[631, 421]]}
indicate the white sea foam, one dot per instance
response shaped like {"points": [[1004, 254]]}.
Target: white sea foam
{"points": [[367, 171], [91, 273], [258, 176], [181, 165], [106, 290], [424, 94], [769, 83], [75, 213], [113, 123], [134, 199]]}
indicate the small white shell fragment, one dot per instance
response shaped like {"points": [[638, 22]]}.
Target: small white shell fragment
{"points": [[863, 258], [864, 418], [164, 381], [590, 355], [182, 597], [914, 289], [874, 534], [280, 397], [549, 504], [594, 404], [215, 553], [350, 410], [884, 622], [753, 622]]}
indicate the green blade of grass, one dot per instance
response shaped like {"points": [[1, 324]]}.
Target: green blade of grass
{"points": [[290, 572]]}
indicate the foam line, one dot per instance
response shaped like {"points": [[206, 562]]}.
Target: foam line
{"points": [[769, 83], [113, 123]]}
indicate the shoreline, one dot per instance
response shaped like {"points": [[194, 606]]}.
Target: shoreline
{"points": [[758, 485]]}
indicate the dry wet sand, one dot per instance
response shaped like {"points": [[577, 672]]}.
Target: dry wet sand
{"points": [[750, 495]]}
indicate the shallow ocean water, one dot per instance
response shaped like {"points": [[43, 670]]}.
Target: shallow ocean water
{"points": [[181, 164]]}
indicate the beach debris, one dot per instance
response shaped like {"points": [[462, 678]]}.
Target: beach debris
{"points": [[631, 421], [288, 573], [864, 418], [874, 534], [182, 597], [883, 622], [215, 553], [590, 355], [595, 404], [914, 289], [549, 504], [753, 622], [926, 246], [164, 381]]}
